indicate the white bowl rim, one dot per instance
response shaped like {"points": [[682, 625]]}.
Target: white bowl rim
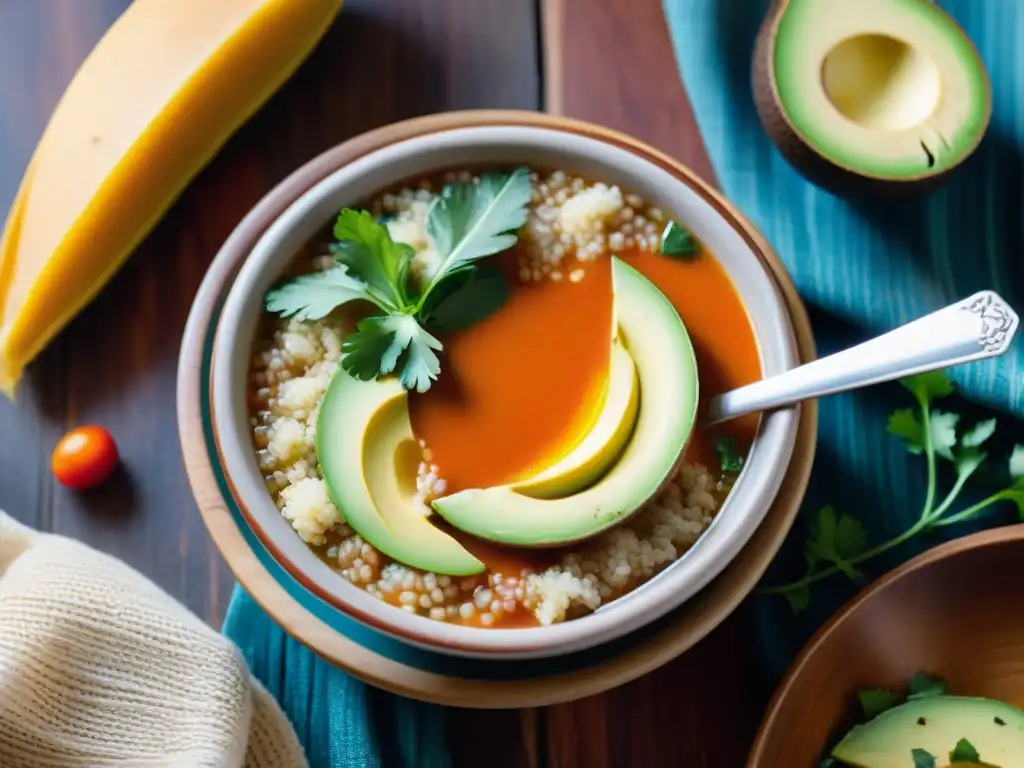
{"points": [[732, 527]]}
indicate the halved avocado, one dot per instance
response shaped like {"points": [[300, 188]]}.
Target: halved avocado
{"points": [[879, 93], [935, 724], [654, 335], [603, 443], [368, 456]]}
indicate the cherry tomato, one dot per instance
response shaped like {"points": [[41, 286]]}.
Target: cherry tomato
{"points": [[84, 458]]}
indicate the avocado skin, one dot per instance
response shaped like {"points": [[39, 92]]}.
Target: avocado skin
{"points": [[814, 167]]}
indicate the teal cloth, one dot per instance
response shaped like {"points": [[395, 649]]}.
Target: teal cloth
{"points": [[341, 722], [864, 268]]}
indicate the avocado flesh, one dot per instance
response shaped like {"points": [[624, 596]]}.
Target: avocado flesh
{"points": [[873, 105], [367, 453], [887, 741], [654, 335], [603, 444]]}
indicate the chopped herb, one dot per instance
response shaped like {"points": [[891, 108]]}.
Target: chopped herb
{"points": [[676, 241], [837, 543], [467, 222], [964, 752], [836, 538], [875, 701], [729, 455], [998, 721], [921, 721], [923, 685], [381, 342], [828, 762], [474, 295], [315, 296], [923, 758], [798, 599]]}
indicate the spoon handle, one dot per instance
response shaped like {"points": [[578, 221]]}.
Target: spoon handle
{"points": [[975, 328]]}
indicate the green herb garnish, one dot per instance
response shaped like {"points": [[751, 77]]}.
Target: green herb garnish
{"points": [[964, 752], [676, 241], [729, 456], [923, 685], [875, 701], [466, 298], [467, 222], [923, 758], [837, 543]]}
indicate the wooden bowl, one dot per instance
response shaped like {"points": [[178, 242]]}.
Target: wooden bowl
{"points": [[954, 611]]}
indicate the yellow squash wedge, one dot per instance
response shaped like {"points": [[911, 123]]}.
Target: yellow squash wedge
{"points": [[154, 101]]}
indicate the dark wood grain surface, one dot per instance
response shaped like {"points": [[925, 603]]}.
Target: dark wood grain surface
{"points": [[608, 61]]}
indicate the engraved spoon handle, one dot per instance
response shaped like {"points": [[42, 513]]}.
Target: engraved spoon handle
{"points": [[975, 328]]}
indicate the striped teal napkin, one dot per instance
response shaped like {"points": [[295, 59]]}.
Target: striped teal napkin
{"points": [[864, 268], [341, 722]]}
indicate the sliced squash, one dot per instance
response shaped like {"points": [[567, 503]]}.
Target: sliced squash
{"points": [[162, 91]]}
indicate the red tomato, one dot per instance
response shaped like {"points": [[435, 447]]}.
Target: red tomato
{"points": [[84, 458]]}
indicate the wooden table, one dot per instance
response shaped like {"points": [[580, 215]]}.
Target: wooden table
{"points": [[608, 61]]}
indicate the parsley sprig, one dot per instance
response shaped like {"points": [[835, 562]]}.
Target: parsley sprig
{"points": [[466, 223], [838, 543]]}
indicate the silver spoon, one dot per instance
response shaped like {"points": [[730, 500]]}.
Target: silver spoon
{"points": [[977, 327]]}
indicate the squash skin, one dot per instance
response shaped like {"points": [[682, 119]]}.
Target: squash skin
{"points": [[156, 99]]}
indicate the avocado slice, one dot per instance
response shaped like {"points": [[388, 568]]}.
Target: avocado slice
{"points": [[654, 335], [889, 91], [935, 724], [603, 443], [368, 455]]}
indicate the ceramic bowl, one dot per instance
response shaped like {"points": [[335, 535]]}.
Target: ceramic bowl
{"points": [[504, 138], [953, 611]]}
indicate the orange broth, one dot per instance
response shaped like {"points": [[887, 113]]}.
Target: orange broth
{"points": [[520, 387]]}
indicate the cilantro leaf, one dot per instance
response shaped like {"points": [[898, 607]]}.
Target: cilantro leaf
{"points": [[923, 685], [468, 221], [381, 343], [676, 241], [1017, 464], [316, 295], [929, 386], [942, 432], [836, 538], [828, 762], [798, 598], [923, 758], [905, 424], [365, 247], [968, 460], [969, 457], [851, 537], [978, 434], [875, 701], [834, 542], [964, 752], [466, 298], [363, 350], [729, 456]]}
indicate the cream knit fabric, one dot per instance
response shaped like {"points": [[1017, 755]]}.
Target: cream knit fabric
{"points": [[99, 667]]}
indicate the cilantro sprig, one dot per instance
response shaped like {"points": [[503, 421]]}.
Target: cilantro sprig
{"points": [[467, 222], [838, 543]]}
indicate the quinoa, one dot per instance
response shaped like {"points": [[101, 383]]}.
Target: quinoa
{"points": [[571, 223]]}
